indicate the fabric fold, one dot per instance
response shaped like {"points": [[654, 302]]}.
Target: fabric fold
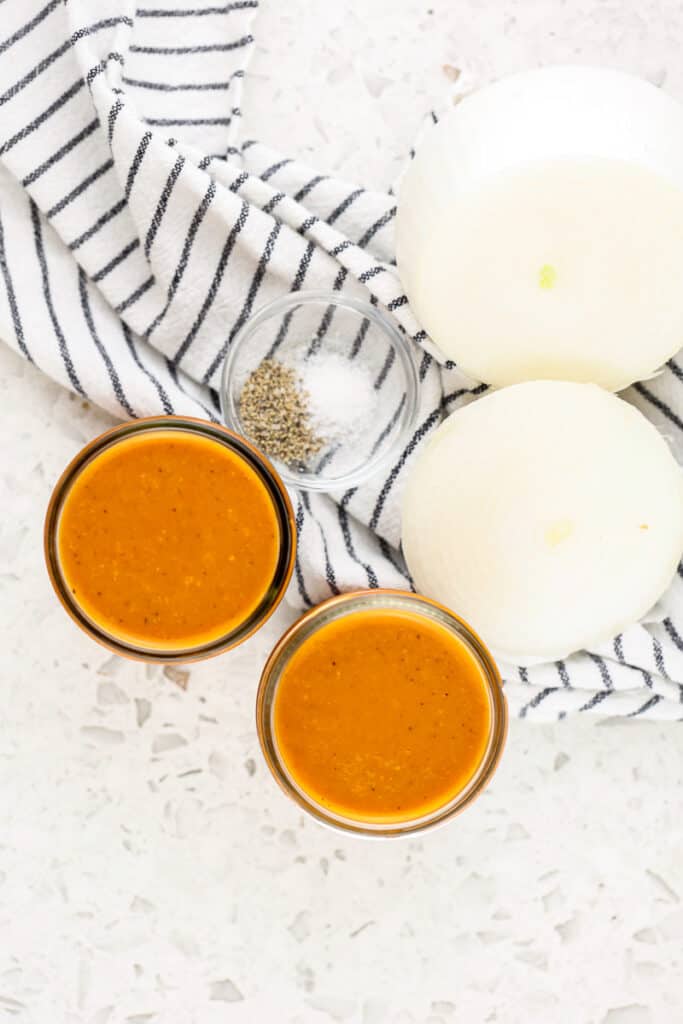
{"points": [[140, 229]]}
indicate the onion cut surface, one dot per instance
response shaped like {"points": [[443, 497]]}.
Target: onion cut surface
{"points": [[549, 515], [540, 229]]}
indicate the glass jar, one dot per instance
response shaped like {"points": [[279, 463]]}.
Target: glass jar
{"points": [[159, 651], [332, 611]]}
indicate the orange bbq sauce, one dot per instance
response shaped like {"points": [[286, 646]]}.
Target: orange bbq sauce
{"points": [[382, 716], [168, 540]]}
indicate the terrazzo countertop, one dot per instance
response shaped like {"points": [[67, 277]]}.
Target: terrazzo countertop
{"points": [[150, 870]]}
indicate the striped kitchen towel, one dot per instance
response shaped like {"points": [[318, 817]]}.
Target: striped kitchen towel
{"points": [[138, 234]]}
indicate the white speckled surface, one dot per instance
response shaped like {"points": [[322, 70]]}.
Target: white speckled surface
{"points": [[149, 868]]}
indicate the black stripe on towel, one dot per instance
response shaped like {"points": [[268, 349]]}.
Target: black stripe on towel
{"points": [[459, 392], [659, 404], [221, 86], [362, 331], [619, 648], [339, 249], [329, 571], [163, 396], [216, 281], [190, 122], [163, 204], [424, 365], [236, 5], [304, 264], [270, 171], [372, 272], [308, 187], [45, 63], [562, 673], [167, 51], [197, 219], [298, 572], [102, 67], [248, 305], [344, 205], [647, 678], [176, 378], [673, 633], [80, 188], [538, 699], [343, 517], [114, 378], [603, 670], [241, 178], [658, 652], [649, 703], [61, 152], [47, 295], [307, 224], [116, 109], [384, 372], [134, 296], [99, 223], [44, 116], [327, 316], [392, 557], [11, 297], [360, 337], [390, 425], [119, 258], [596, 699], [377, 226], [30, 25], [426, 425], [273, 201], [137, 161], [675, 369]]}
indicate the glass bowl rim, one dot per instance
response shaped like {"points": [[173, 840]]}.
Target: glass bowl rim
{"points": [[400, 344], [215, 431], [344, 604]]}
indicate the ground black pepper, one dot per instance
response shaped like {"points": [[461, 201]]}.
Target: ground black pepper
{"points": [[275, 413]]}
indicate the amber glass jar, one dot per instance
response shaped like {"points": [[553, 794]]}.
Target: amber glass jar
{"points": [[169, 539], [424, 735]]}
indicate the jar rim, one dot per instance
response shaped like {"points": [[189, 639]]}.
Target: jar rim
{"points": [[331, 610], [277, 493]]}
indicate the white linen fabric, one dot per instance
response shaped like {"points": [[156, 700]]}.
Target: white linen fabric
{"points": [[138, 234]]}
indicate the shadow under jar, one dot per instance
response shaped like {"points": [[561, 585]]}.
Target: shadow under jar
{"points": [[381, 713], [169, 539]]}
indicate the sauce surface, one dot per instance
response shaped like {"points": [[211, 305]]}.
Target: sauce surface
{"points": [[168, 540], [382, 715]]}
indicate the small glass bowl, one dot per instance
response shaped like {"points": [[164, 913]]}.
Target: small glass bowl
{"points": [[368, 402], [321, 616], [281, 504]]}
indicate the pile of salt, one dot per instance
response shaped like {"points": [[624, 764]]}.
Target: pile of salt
{"points": [[340, 396]]}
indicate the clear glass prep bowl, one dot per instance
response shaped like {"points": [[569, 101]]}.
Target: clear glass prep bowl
{"points": [[307, 328]]}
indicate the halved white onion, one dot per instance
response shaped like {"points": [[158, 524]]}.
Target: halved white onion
{"points": [[540, 229], [549, 515]]}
